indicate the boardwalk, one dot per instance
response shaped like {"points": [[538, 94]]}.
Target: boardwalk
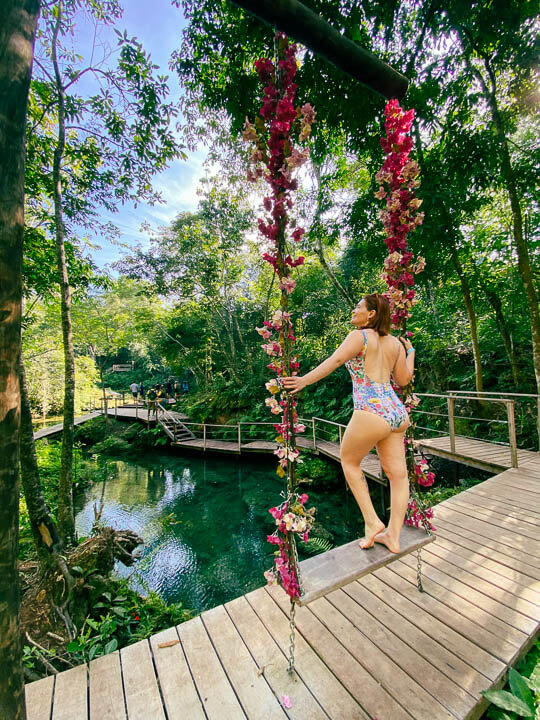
{"points": [[376, 648]]}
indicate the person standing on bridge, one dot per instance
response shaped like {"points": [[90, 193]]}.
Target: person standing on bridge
{"points": [[371, 355], [134, 390]]}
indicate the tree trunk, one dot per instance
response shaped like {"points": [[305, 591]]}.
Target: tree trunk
{"points": [[46, 538], [496, 304], [524, 260], [18, 19], [66, 520], [304, 25], [465, 287]]}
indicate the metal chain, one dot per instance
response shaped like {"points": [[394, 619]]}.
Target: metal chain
{"points": [[292, 612], [419, 570]]}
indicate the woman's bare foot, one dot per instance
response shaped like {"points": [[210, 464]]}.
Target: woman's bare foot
{"points": [[385, 539], [369, 538]]}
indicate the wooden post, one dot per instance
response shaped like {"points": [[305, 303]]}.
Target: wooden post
{"points": [[451, 402], [340, 436], [239, 438], [313, 31], [105, 404], [115, 407], [512, 432], [136, 411], [314, 438], [174, 431], [204, 437]]}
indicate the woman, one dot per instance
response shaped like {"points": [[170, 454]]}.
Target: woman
{"points": [[372, 354]]}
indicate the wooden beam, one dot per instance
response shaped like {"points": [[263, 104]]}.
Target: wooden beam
{"points": [[313, 31]]}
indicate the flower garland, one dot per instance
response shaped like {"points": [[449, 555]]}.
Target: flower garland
{"points": [[275, 158], [398, 180]]}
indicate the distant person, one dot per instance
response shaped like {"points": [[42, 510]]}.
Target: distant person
{"points": [[134, 390], [185, 387], [176, 388], [151, 398], [169, 389], [142, 390], [160, 390]]}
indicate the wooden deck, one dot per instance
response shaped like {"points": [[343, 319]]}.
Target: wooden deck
{"points": [[55, 429], [376, 648], [480, 454]]}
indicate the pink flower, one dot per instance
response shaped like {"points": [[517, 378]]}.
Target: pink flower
{"points": [[263, 332], [287, 284], [285, 699]]}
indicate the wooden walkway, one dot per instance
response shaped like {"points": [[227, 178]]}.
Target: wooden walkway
{"points": [[376, 648], [55, 429], [481, 454]]}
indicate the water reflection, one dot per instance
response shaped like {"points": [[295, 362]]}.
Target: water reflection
{"points": [[204, 522]]}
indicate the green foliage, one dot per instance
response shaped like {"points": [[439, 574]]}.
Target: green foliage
{"points": [[521, 695]]}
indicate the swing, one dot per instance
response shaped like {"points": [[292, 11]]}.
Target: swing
{"points": [[272, 136]]}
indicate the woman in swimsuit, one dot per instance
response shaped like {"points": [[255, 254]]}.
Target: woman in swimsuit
{"points": [[372, 354]]}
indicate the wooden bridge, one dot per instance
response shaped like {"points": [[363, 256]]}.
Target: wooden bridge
{"points": [[324, 436], [374, 648]]}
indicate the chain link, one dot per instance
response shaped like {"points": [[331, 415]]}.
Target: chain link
{"points": [[292, 612], [419, 570]]}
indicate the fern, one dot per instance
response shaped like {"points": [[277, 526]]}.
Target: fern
{"points": [[317, 544]]}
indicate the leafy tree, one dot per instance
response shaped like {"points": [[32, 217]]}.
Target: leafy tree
{"points": [[103, 149]]}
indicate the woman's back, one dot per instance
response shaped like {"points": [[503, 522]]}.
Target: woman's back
{"points": [[380, 356]]}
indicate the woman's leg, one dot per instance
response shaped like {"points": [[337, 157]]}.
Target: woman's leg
{"points": [[364, 431], [391, 452]]}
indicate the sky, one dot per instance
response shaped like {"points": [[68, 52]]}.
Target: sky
{"points": [[158, 26]]}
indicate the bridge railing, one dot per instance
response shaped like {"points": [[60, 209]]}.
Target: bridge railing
{"points": [[451, 418]]}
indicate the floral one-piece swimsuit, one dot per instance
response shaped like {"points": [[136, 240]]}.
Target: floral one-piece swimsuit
{"points": [[376, 397]]}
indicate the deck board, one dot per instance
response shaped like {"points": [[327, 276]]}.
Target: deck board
{"points": [[180, 696], [39, 698], [106, 688], [375, 647]]}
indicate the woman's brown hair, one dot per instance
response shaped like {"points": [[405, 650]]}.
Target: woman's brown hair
{"points": [[381, 320]]}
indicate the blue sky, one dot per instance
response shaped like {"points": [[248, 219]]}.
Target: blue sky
{"points": [[158, 26]]}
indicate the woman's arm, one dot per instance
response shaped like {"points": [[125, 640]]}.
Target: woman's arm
{"points": [[350, 347], [404, 366]]}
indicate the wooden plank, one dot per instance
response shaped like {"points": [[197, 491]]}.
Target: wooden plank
{"points": [[485, 547], [525, 545], [366, 689], [444, 540], [483, 503], [71, 694], [178, 690], [498, 495], [38, 698], [493, 518], [331, 570], [459, 625], [106, 690], [420, 687], [525, 600], [492, 603], [467, 604], [459, 659], [263, 642], [140, 684], [217, 695], [522, 483], [252, 689]]}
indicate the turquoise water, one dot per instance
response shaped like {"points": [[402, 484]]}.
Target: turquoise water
{"points": [[204, 522]]}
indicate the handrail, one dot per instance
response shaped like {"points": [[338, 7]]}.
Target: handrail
{"points": [[489, 392]]}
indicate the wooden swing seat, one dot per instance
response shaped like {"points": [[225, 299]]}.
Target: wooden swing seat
{"points": [[337, 567]]}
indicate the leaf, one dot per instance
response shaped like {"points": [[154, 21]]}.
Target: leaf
{"points": [[520, 688], [507, 701], [93, 652], [534, 680], [168, 643], [111, 646], [73, 646]]}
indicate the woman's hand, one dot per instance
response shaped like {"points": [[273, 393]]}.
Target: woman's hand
{"points": [[405, 342], [293, 383]]}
